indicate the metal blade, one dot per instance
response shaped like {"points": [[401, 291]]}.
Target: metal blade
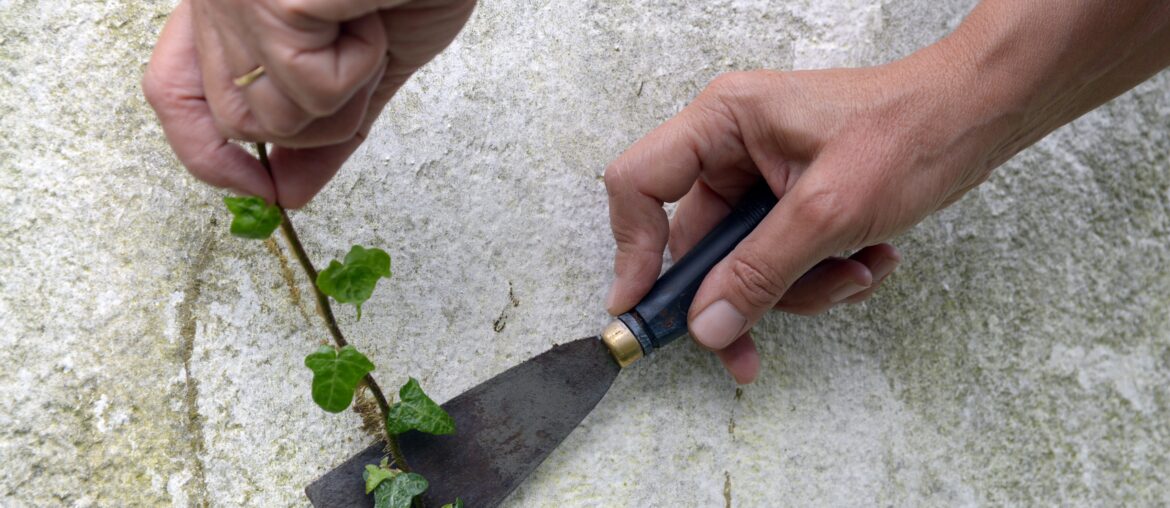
{"points": [[505, 427]]}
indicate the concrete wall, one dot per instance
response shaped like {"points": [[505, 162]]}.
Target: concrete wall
{"points": [[1020, 355]]}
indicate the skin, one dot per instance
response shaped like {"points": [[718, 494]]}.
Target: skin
{"points": [[330, 68], [856, 156]]}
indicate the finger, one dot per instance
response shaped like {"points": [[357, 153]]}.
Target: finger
{"points": [[811, 222], [340, 10], [882, 260], [321, 64], [282, 122], [301, 173], [837, 280], [829, 282], [220, 61], [415, 33], [826, 284], [336, 128], [173, 86], [261, 110], [741, 359], [742, 98], [660, 167], [277, 115], [698, 213]]}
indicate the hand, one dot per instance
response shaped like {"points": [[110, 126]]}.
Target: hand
{"points": [[329, 67], [856, 156]]}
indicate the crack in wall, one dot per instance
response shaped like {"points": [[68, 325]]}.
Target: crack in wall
{"points": [[727, 489], [731, 417], [506, 314], [289, 276], [193, 422]]}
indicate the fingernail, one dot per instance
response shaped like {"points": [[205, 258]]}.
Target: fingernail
{"points": [[743, 379], [718, 325], [883, 268], [845, 291]]}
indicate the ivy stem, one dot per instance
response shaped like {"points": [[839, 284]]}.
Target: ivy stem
{"points": [[326, 311]]}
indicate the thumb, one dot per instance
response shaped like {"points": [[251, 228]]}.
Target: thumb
{"points": [[810, 223]]}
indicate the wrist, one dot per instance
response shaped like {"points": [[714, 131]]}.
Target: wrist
{"points": [[1013, 72]]}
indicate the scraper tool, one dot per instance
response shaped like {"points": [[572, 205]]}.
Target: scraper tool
{"points": [[507, 425]]}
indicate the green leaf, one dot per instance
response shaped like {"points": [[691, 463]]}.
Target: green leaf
{"points": [[354, 281], [335, 376], [399, 490], [374, 475], [458, 504], [415, 410], [252, 217]]}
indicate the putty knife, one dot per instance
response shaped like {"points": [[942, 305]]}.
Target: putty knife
{"points": [[507, 425]]}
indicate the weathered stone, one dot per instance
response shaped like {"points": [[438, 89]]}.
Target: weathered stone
{"points": [[1020, 355]]}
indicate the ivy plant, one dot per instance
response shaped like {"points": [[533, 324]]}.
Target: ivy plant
{"points": [[353, 281], [336, 374], [252, 217], [414, 410], [392, 488], [340, 371]]}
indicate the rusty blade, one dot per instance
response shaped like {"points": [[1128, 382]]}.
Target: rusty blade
{"points": [[505, 427]]}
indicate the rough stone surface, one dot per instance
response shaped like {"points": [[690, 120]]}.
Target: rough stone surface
{"points": [[1020, 356]]}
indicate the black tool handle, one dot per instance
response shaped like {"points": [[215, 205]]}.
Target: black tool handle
{"points": [[661, 316]]}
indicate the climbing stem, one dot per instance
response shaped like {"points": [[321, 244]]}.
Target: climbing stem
{"points": [[326, 311]]}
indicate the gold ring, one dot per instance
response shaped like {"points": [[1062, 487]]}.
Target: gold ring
{"points": [[251, 76]]}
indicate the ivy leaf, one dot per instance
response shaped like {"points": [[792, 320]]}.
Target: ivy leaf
{"points": [[336, 374], [415, 410], [458, 504], [398, 491], [374, 475], [252, 217], [354, 281]]}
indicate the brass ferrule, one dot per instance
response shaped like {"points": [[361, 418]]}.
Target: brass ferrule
{"points": [[622, 344]]}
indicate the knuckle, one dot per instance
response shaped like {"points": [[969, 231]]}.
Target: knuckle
{"points": [[736, 87], [828, 209], [755, 281], [731, 82], [326, 96], [321, 96], [632, 242]]}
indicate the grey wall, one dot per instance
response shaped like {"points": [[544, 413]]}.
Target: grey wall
{"points": [[1020, 355]]}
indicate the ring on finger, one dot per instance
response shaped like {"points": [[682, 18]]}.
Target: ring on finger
{"points": [[250, 77]]}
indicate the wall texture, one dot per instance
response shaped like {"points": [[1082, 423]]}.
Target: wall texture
{"points": [[1020, 355]]}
